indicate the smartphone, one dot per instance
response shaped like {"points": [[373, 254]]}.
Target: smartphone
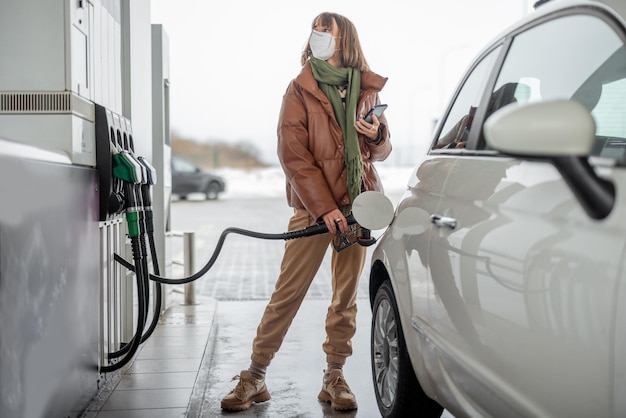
{"points": [[376, 110]]}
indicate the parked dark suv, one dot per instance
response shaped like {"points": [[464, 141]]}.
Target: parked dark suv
{"points": [[187, 178]]}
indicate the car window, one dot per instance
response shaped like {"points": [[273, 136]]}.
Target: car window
{"points": [[574, 57], [183, 166], [459, 120]]}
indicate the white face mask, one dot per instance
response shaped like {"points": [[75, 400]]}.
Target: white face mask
{"points": [[322, 45]]}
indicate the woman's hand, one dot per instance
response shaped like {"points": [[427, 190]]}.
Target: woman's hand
{"points": [[370, 130], [333, 219]]}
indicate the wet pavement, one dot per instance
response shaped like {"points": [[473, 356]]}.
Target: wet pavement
{"points": [[242, 281], [295, 375], [186, 367]]}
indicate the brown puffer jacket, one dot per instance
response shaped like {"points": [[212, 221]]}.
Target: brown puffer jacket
{"points": [[311, 149]]}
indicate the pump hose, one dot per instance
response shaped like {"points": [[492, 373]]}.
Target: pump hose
{"points": [[142, 286], [158, 290], [149, 226], [141, 223], [157, 304], [301, 233]]}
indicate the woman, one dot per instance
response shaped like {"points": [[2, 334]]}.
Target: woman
{"points": [[326, 150]]}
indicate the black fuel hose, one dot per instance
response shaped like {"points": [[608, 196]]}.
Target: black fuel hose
{"points": [[317, 229], [142, 285], [140, 257], [158, 298], [157, 304], [149, 224], [155, 315]]}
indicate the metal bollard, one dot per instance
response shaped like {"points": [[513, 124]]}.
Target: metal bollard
{"points": [[190, 267]]}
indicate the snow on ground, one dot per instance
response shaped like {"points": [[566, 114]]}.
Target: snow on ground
{"points": [[270, 182]]}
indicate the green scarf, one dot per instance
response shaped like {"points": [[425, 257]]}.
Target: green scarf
{"points": [[328, 78]]}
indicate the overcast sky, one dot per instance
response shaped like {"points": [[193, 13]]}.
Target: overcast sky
{"points": [[230, 62]]}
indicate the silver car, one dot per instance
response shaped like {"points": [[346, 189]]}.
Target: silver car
{"points": [[499, 290]]}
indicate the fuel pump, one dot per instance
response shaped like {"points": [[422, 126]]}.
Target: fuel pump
{"points": [[125, 188], [128, 170]]}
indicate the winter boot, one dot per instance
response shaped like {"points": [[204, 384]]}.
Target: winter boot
{"points": [[335, 390], [248, 390]]}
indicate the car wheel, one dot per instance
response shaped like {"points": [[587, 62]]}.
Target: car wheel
{"points": [[398, 393], [212, 191]]}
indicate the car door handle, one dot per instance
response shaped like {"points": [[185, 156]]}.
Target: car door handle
{"points": [[442, 221]]}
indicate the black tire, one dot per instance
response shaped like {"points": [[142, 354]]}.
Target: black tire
{"points": [[398, 393], [212, 191]]}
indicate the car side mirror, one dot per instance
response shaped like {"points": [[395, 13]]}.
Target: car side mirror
{"points": [[544, 129], [561, 131]]}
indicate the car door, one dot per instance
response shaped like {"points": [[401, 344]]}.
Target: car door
{"points": [[407, 243], [525, 282]]}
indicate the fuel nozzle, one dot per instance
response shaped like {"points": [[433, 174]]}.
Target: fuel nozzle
{"points": [[128, 169], [341, 241], [151, 173], [146, 192], [366, 238]]}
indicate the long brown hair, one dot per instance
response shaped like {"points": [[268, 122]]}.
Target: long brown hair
{"points": [[348, 43]]}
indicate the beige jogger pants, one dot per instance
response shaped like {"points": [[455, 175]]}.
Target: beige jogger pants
{"points": [[301, 261]]}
